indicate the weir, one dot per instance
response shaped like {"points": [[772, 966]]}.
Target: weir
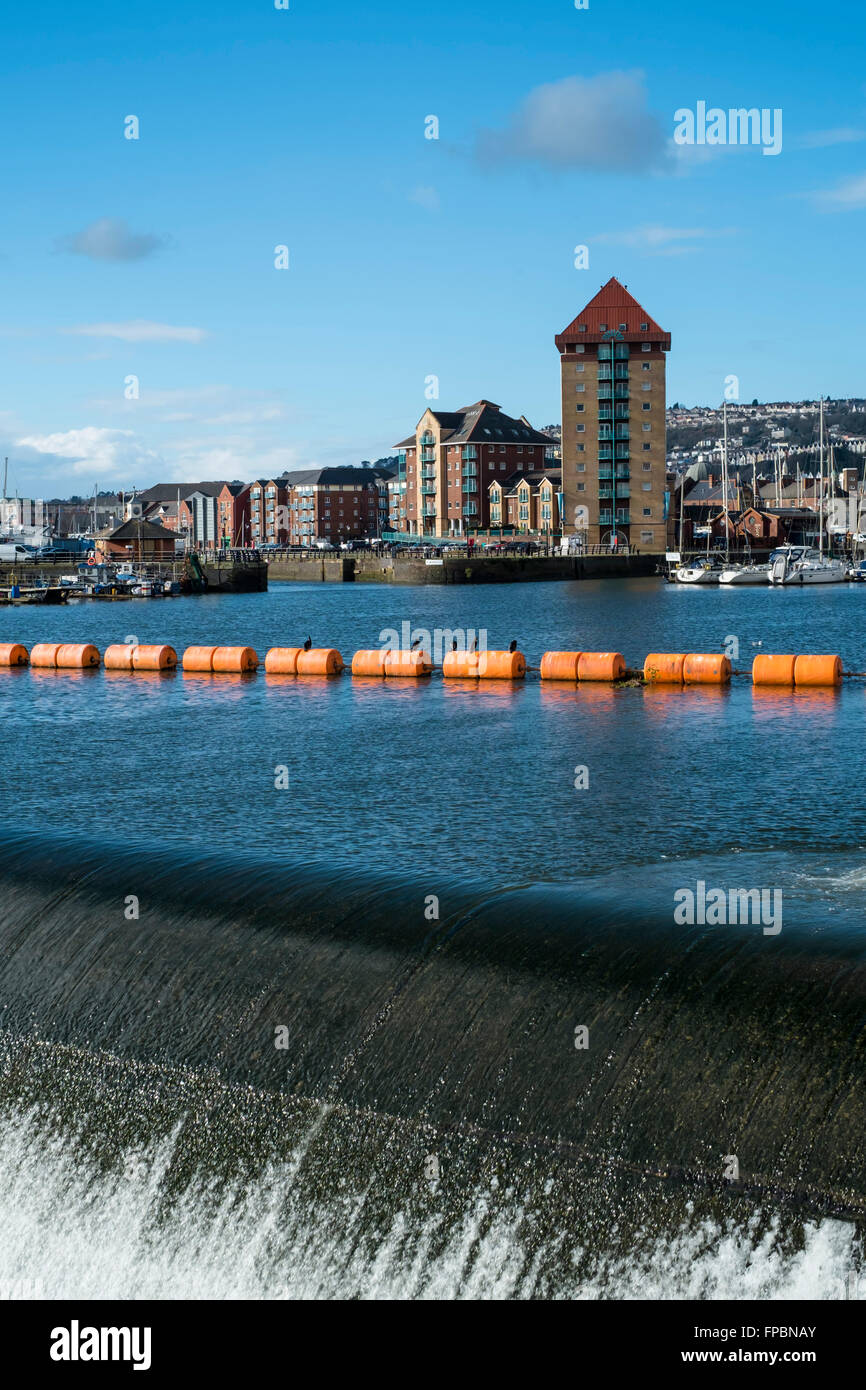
{"points": [[703, 1042]]}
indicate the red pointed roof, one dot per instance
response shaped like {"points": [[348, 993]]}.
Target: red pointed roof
{"points": [[612, 307]]}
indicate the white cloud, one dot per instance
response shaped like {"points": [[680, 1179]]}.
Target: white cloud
{"points": [[601, 123], [140, 331], [110, 239], [660, 240], [94, 452], [425, 197], [841, 135], [851, 193]]}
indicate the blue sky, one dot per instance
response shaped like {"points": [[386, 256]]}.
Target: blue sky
{"points": [[408, 257]]}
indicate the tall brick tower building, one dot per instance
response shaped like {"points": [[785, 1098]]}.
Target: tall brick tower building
{"points": [[612, 358]]}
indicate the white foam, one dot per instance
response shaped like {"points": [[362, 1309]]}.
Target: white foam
{"points": [[82, 1233]]}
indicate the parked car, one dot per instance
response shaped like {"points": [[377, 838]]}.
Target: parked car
{"points": [[323, 545]]}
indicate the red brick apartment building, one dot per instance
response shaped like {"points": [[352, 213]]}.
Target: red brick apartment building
{"points": [[449, 463], [332, 504], [526, 502], [612, 360]]}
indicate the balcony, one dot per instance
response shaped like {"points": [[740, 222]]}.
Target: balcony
{"points": [[621, 474], [428, 489], [428, 455], [620, 392], [606, 494], [428, 472], [429, 511], [469, 486], [622, 432]]}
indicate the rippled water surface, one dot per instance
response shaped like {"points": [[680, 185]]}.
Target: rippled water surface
{"points": [[441, 776]]}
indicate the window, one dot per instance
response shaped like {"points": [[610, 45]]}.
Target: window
{"points": [[581, 468], [580, 386], [623, 327], [646, 466], [646, 428], [647, 487], [647, 511], [646, 386], [645, 366], [645, 347], [581, 366], [502, 466], [602, 328], [579, 347], [581, 449], [646, 406], [581, 429], [645, 447], [581, 487], [644, 328], [580, 408], [647, 537]]}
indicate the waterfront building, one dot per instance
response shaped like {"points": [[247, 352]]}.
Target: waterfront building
{"points": [[526, 502], [335, 504], [450, 461], [269, 514], [136, 540], [612, 361]]}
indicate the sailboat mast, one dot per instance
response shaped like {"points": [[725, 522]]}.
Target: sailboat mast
{"points": [[821, 479], [725, 478]]}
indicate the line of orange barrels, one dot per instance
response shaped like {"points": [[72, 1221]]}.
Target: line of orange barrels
{"points": [[670, 668]]}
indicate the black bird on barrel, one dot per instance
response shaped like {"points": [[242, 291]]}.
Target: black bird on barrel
{"points": [[308, 644], [416, 643], [512, 646]]}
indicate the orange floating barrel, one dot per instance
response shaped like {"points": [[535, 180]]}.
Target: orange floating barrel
{"points": [[76, 656], [154, 658], [501, 666], [664, 667], [706, 668], [198, 658], [408, 664], [44, 654], [370, 661], [773, 670], [560, 666], [818, 670], [118, 657], [233, 659], [462, 664], [282, 661], [319, 661], [12, 654], [601, 666]]}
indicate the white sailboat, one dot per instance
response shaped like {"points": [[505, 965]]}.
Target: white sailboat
{"points": [[802, 564], [745, 574]]}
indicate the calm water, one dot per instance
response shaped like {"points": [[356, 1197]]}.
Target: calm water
{"points": [[441, 777]]}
